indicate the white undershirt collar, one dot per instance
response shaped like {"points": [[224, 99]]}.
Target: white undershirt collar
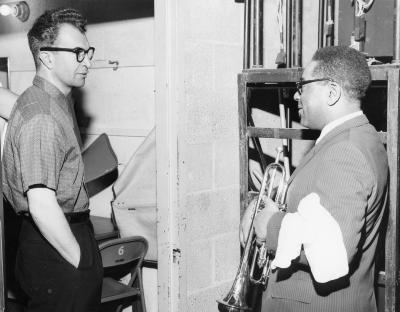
{"points": [[337, 122]]}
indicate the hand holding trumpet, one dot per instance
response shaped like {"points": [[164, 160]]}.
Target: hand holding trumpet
{"points": [[272, 194], [260, 221]]}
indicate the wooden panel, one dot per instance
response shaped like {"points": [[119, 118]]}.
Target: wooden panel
{"points": [[380, 72], [392, 244], [243, 142], [288, 75], [272, 75], [279, 133]]}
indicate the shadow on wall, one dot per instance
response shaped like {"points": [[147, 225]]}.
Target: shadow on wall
{"points": [[96, 11], [83, 118]]}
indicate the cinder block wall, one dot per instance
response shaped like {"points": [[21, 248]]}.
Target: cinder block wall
{"points": [[212, 49]]}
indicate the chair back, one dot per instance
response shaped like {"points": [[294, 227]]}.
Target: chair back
{"points": [[122, 256], [101, 165]]}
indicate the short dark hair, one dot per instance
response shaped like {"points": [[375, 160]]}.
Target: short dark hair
{"points": [[346, 66], [45, 29]]}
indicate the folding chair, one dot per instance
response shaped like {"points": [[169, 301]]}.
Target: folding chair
{"points": [[101, 170], [120, 257], [104, 228]]}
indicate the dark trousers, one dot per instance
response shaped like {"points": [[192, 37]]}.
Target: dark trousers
{"points": [[49, 281]]}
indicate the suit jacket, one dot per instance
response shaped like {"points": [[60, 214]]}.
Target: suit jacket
{"points": [[348, 169]]}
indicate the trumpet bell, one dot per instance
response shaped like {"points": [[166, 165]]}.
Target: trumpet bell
{"points": [[235, 300], [232, 303], [273, 186], [225, 307]]}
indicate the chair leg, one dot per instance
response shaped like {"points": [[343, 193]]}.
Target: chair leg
{"points": [[138, 283], [141, 290]]}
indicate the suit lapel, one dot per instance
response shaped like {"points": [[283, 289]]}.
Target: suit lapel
{"points": [[310, 154]]}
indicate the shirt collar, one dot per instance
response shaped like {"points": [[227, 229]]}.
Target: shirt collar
{"points": [[53, 91], [333, 124], [47, 86]]}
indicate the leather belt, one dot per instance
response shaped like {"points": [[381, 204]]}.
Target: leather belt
{"points": [[72, 217], [77, 217]]}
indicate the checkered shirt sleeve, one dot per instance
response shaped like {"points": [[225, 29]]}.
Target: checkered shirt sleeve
{"points": [[40, 152]]}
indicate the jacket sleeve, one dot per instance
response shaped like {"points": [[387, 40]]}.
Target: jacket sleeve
{"points": [[345, 184]]}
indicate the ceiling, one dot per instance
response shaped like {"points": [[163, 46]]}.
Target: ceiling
{"points": [[96, 11]]}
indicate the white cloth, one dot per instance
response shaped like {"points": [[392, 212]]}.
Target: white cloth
{"points": [[314, 228]]}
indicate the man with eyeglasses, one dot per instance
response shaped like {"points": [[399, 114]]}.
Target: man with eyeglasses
{"points": [[58, 263], [325, 242]]}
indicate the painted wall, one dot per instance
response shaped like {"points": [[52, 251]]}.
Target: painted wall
{"points": [[212, 59]]}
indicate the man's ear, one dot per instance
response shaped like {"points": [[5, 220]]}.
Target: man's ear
{"points": [[46, 59], [335, 92]]}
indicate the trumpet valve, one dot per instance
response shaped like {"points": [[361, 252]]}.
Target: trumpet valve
{"points": [[262, 256]]}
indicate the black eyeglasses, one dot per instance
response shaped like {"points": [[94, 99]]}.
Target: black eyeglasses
{"points": [[301, 83], [79, 52]]}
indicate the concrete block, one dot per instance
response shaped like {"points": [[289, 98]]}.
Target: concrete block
{"points": [[226, 162], [199, 216], [198, 118], [200, 265], [206, 299], [227, 256], [211, 117], [212, 213], [198, 161], [228, 63], [198, 107], [225, 120], [228, 60], [210, 91], [199, 66]]}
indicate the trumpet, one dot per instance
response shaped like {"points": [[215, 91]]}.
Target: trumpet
{"points": [[274, 186]]}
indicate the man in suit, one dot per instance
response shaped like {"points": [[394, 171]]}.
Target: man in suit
{"points": [[326, 240]]}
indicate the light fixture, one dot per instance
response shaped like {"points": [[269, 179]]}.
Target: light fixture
{"points": [[17, 9]]}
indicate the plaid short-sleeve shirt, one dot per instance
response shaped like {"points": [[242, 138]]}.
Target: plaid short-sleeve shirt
{"points": [[41, 148]]}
